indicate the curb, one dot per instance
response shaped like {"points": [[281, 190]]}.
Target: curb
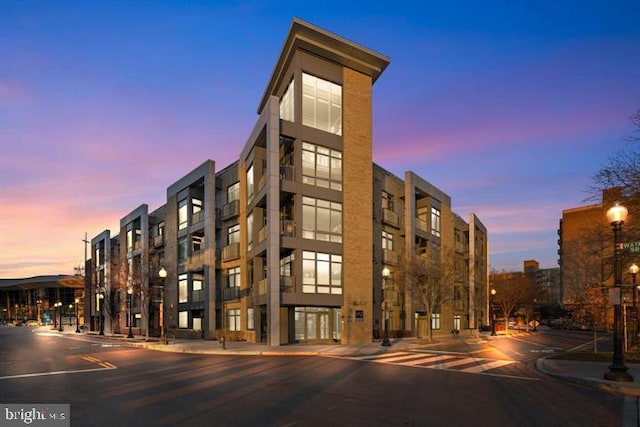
{"points": [[608, 386]]}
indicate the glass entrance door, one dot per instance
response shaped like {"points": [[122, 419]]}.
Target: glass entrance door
{"points": [[313, 324]]}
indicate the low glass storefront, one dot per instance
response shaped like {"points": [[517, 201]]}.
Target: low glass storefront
{"points": [[317, 325]]}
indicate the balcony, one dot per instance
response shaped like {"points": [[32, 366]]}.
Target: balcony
{"points": [[231, 251], [287, 228], [262, 234], [197, 217], [262, 287], [195, 261], [287, 173], [390, 217], [389, 257], [231, 209], [422, 225], [288, 284], [158, 241], [262, 182], [231, 294]]}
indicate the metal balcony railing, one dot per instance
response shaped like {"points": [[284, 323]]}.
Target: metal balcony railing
{"points": [[231, 251], [287, 173], [390, 217], [423, 225], [262, 287], [389, 257], [287, 228], [288, 284], [231, 209]]}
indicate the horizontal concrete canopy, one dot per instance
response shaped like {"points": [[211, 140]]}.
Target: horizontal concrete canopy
{"points": [[42, 282]]}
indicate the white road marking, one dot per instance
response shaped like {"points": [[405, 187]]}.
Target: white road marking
{"points": [[42, 374]]}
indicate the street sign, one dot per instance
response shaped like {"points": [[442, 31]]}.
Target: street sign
{"points": [[631, 246]]}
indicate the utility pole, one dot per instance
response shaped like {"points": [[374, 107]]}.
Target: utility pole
{"points": [[86, 284]]}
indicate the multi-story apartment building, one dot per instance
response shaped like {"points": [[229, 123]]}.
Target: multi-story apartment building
{"points": [[288, 244], [586, 247], [546, 283]]}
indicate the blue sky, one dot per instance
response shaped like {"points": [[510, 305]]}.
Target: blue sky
{"points": [[509, 107]]}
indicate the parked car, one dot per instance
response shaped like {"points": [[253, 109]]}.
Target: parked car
{"points": [[32, 323]]}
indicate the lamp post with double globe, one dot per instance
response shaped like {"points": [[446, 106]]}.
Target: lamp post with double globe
{"points": [[385, 307], [77, 317], [616, 215], [130, 292], [60, 327], [163, 335], [493, 313]]}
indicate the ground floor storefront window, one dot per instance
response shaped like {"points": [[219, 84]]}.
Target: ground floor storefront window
{"points": [[317, 324]]}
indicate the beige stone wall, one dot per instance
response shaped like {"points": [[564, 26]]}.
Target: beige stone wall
{"points": [[357, 208]]}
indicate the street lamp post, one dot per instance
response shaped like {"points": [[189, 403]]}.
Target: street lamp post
{"points": [[385, 307], [101, 301], [163, 335], [130, 292], [60, 327], [616, 216], [493, 313], [77, 317], [633, 270], [38, 304]]}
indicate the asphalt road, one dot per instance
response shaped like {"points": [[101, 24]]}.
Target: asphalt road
{"points": [[111, 385]]}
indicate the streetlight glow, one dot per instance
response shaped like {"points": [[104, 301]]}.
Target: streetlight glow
{"points": [[617, 214]]}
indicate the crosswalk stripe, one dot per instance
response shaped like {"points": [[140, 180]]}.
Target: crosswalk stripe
{"points": [[453, 363], [406, 357], [384, 356], [486, 366], [436, 361], [424, 360]]}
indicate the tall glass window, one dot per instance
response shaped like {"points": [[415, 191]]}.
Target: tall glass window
{"points": [[250, 183], [183, 249], [183, 288], [234, 319], [233, 192], [435, 321], [321, 166], [197, 294], [196, 205], [321, 273], [129, 240], [183, 217], [250, 317], [183, 319], [321, 104], [435, 222], [286, 265], [250, 231], [321, 220], [234, 277], [387, 240], [233, 234], [287, 103]]}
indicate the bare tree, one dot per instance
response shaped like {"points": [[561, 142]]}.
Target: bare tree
{"points": [[430, 282], [138, 285], [623, 168], [512, 290]]}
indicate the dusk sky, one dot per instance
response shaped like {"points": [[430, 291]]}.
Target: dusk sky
{"points": [[509, 107]]}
